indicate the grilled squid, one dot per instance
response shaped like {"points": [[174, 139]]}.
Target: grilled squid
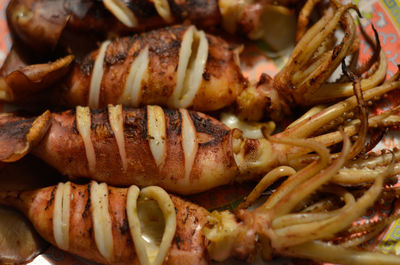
{"points": [[180, 150], [175, 67], [116, 225], [182, 67], [45, 21], [150, 227], [178, 67]]}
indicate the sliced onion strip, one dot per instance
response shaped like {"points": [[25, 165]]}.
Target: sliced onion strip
{"points": [[184, 56], [189, 142], [156, 133], [83, 122], [166, 205], [61, 214], [97, 76], [163, 10], [194, 74], [121, 12], [133, 83], [117, 125], [102, 220]]}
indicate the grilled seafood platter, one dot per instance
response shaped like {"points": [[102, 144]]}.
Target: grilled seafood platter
{"points": [[141, 123], [46, 21]]}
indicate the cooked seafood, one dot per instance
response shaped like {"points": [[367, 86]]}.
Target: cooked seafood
{"points": [[183, 67], [19, 243], [176, 67], [180, 150], [128, 226], [116, 225], [315, 57], [187, 152], [45, 21]]}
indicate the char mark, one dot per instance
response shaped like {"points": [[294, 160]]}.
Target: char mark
{"points": [[135, 124], [85, 213], [174, 126], [208, 126], [51, 198]]}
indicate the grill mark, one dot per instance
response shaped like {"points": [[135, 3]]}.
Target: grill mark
{"points": [[51, 198], [87, 205], [178, 241], [117, 51], [86, 66], [174, 126], [16, 128], [186, 214], [135, 124], [211, 143], [208, 126], [108, 125], [74, 126], [124, 228], [207, 76], [100, 123], [164, 48]]}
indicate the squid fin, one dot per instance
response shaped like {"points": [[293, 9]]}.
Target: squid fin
{"points": [[26, 81], [18, 135]]}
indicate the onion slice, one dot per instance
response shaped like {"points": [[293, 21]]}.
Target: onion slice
{"points": [[194, 75], [102, 220], [61, 214], [121, 12], [117, 125], [133, 83], [156, 133], [83, 122], [97, 76], [189, 142], [184, 56], [150, 253], [163, 10]]}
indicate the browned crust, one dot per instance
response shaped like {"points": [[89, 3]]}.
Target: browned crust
{"points": [[222, 79], [63, 148], [24, 82], [18, 135], [44, 21], [188, 246]]}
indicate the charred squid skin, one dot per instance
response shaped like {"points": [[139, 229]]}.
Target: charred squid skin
{"points": [[175, 67], [28, 23], [180, 150], [19, 135], [45, 21], [188, 245], [187, 152], [157, 67]]}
